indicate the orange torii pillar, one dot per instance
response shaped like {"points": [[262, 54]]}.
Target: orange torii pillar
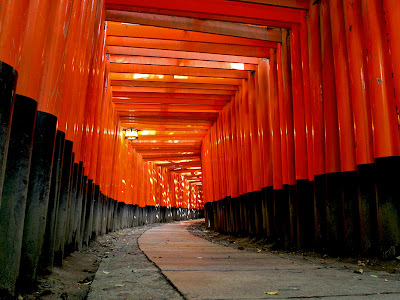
{"points": [[13, 19], [384, 113], [92, 117], [74, 190], [363, 129], [32, 177], [341, 229], [332, 139], [22, 181], [33, 73], [60, 45], [318, 123]]}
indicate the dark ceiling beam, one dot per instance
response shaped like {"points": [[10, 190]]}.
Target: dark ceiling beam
{"points": [[222, 10], [197, 25]]}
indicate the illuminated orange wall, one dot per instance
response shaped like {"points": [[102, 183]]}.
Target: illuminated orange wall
{"points": [[61, 56], [324, 102]]}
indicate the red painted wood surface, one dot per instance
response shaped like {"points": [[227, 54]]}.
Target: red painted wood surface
{"points": [[218, 115], [13, 20]]}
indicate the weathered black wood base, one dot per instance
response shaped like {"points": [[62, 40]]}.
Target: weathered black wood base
{"points": [[346, 213]]}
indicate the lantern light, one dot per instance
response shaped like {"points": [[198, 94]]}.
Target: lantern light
{"points": [[131, 134]]}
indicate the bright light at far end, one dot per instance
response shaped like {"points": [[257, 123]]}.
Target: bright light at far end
{"points": [[237, 66], [148, 132], [140, 76]]}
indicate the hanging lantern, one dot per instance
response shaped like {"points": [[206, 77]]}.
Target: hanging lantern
{"points": [[131, 134]]}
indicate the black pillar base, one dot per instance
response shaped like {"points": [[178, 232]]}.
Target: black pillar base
{"points": [[38, 196], [387, 180], [351, 228], [8, 82], [320, 211], [368, 210], [282, 217], [72, 216], [15, 189], [62, 211], [305, 214], [269, 213], [46, 261], [335, 218]]}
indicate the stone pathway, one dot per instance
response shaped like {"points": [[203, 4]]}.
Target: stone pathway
{"points": [[194, 268], [204, 270]]}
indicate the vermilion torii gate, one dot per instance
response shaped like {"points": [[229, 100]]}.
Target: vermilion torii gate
{"points": [[278, 117]]}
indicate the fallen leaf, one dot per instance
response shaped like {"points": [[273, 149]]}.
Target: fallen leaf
{"points": [[259, 250], [386, 280], [323, 262], [359, 271], [20, 297], [105, 272], [272, 293], [360, 263], [87, 283], [119, 285], [374, 276]]}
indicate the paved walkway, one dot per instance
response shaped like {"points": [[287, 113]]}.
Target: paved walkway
{"points": [[203, 270]]}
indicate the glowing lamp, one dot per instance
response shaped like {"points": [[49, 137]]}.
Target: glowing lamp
{"points": [[131, 134]]}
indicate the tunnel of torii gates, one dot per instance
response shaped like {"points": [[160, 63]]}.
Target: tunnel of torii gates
{"points": [[278, 117]]}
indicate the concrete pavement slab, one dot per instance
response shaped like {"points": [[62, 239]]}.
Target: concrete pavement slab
{"points": [[203, 270]]}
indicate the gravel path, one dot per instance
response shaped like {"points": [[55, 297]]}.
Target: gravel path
{"points": [[126, 273]]}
